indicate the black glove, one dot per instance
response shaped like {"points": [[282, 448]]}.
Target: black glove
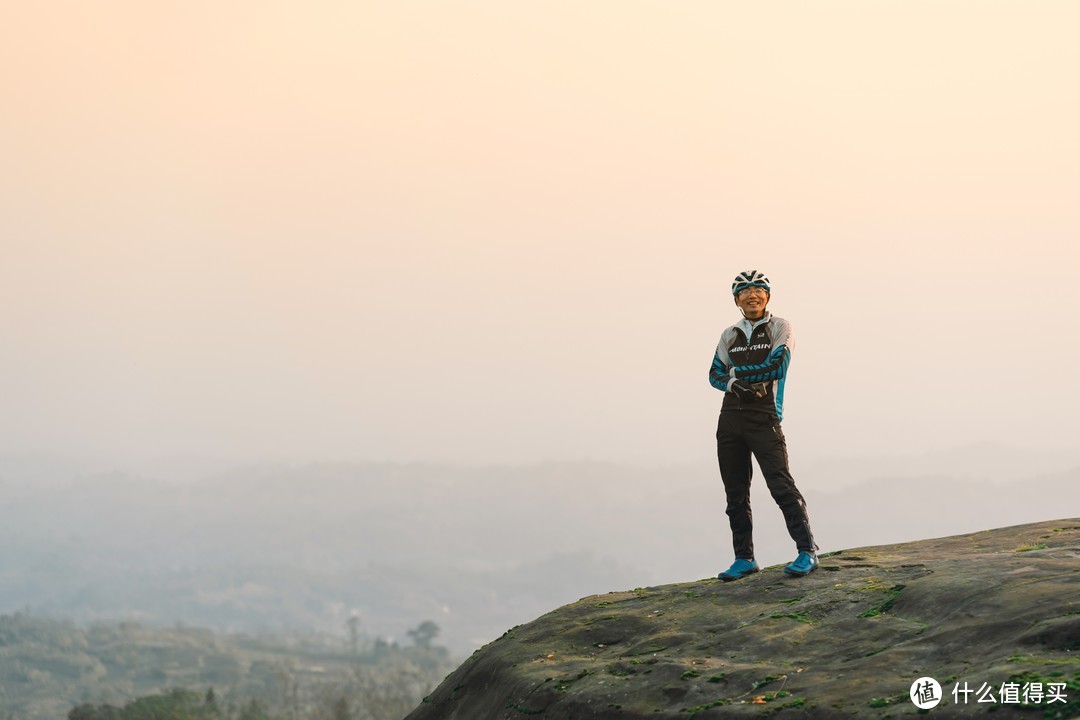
{"points": [[743, 391]]}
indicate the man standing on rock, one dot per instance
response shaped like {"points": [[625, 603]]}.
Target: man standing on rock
{"points": [[750, 367]]}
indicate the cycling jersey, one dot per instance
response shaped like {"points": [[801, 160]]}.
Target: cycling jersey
{"points": [[754, 352]]}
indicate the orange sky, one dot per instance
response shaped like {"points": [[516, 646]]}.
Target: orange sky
{"points": [[489, 231]]}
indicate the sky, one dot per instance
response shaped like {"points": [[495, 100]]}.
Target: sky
{"points": [[500, 232]]}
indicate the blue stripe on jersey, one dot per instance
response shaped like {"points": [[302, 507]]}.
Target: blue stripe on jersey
{"points": [[718, 374], [774, 368]]}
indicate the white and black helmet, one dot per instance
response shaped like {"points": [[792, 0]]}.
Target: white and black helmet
{"points": [[750, 278]]}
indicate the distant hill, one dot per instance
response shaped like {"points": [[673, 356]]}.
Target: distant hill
{"points": [[999, 608], [302, 548], [48, 666]]}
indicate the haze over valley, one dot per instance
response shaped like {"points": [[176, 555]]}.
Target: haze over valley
{"points": [[302, 548]]}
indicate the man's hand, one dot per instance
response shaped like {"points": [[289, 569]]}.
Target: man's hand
{"points": [[743, 391]]}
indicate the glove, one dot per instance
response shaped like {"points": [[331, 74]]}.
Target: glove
{"points": [[743, 391]]}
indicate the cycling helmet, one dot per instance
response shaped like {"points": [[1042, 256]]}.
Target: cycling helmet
{"points": [[750, 278]]}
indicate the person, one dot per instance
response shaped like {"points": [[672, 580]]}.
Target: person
{"points": [[750, 367]]}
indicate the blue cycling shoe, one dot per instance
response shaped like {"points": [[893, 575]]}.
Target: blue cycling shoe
{"points": [[802, 565], [738, 570]]}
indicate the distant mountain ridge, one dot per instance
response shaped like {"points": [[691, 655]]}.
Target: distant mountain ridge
{"points": [[295, 547]]}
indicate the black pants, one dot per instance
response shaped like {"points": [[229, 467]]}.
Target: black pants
{"points": [[738, 434]]}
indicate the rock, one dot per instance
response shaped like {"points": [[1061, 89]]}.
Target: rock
{"points": [[848, 641]]}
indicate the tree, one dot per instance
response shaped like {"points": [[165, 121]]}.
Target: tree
{"points": [[254, 710], [88, 711], [178, 704], [353, 624], [424, 633], [175, 704], [341, 709], [210, 705]]}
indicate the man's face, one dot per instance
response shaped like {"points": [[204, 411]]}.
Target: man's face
{"points": [[752, 301]]}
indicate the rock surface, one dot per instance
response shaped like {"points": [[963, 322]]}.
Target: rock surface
{"points": [[993, 607]]}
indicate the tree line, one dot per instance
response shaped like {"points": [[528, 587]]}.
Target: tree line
{"points": [[51, 668]]}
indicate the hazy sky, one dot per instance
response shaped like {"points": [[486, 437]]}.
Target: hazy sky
{"points": [[491, 231]]}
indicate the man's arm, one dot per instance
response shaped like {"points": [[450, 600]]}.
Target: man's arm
{"points": [[718, 373], [721, 379], [774, 368]]}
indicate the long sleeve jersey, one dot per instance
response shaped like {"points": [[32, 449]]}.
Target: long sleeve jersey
{"points": [[754, 352]]}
